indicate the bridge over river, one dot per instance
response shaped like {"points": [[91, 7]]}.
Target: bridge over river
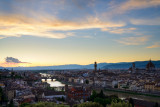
{"points": [[47, 77]]}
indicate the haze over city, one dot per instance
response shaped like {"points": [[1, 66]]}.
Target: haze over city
{"points": [[57, 32]]}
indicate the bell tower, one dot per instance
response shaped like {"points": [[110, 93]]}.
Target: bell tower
{"points": [[133, 68], [94, 73], [95, 66]]}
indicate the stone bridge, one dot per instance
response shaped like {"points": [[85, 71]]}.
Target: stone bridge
{"points": [[52, 78]]}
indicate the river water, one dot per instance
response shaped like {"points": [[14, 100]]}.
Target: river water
{"points": [[60, 86], [140, 97], [54, 83]]}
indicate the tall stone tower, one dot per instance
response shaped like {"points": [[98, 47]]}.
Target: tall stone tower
{"points": [[95, 67], [133, 68], [94, 72]]}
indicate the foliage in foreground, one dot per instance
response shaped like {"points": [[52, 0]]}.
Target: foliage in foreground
{"points": [[120, 104], [2, 95], [46, 104], [51, 104], [88, 104], [102, 99]]}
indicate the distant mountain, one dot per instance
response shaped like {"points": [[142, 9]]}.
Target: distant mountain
{"points": [[1, 68], [126, 65], [121, 65], [70, 66]]}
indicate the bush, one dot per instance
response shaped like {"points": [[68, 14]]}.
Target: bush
{"points": [[46, 104], [120, 104], [88, 104]]}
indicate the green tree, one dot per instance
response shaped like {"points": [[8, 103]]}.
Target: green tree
{"points": [[88, 104], [87, 82], [61, 99], [12, 74], [120, 104], [131, 102], [108, 100], [46, 104], [103, 101], [101, 94], [115, 98], [2, 95], [24, 104], [11, 104], [100, 101], [93, 96]]}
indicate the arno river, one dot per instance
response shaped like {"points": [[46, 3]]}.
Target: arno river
{"points": [[59, 85], [140, 97], [54, 83]]}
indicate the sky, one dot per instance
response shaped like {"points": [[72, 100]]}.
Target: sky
{"points": [[57, 32]]}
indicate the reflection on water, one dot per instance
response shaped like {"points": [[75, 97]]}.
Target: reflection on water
{"points": [[53, 83]]}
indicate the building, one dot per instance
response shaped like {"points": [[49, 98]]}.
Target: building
{"points": [[150, 67], [157, 88], [133, 68], [149, 86], [10, 93], [78, 93], [94, 71], [53, 94], [2, 85]]}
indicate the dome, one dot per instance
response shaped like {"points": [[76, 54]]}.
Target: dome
{"points": [[150, 65]]}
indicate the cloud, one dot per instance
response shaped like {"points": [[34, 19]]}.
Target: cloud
{"points": [[133, 40], [137, 4], [18, 25], [155, 21], [129, 5], [119, 30], [13, 60], [155, 45]]}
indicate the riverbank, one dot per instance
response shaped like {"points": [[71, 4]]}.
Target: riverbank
{"points": [[122, 94], [131, 92], [116, 90]]}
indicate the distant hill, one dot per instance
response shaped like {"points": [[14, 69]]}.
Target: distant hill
{"points": [[70, 66], [1, 68], [121, 65], [126, 65]]}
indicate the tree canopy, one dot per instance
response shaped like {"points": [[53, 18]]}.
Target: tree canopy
{"points": [[102, 99], [46, 104], [88, 104], [120, 104]]}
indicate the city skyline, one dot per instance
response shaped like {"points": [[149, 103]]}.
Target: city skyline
{"points": [[53, 32]]}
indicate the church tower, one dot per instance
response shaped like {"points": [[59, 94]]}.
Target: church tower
{"points": [[133, 68], [95, 67], [94, 73]]}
